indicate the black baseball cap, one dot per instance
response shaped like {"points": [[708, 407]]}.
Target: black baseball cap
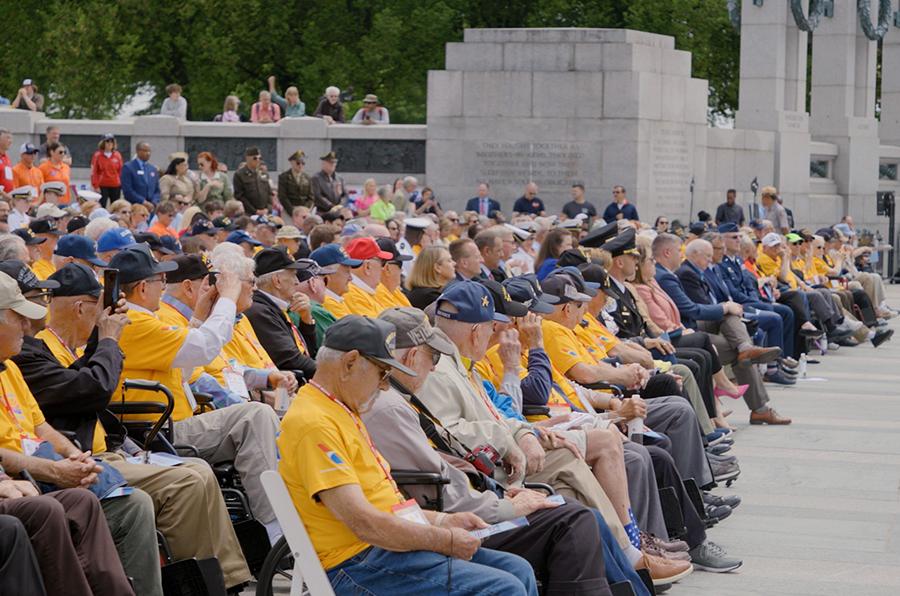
{"points": [[503, 303], [136, 262], [372, 338], [269, 260], [189, 267], [44, 225], [583, 286], [76, 223], [224, 223], [25, 277], [76, 279], [308, 269], [573, 256], [388, 245], [595, 274], [203, 226], [521, 290], [153, 241], [28, 236]]}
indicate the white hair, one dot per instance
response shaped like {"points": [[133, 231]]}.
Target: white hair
{"points": [[231, 260], [12, 247], [95, 228], [697, 246], [226, 247], [410, 181], [332, 89], [326, 355]]}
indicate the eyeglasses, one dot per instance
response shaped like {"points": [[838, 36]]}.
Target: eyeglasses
{"points": [[41, 298], [385, 371], [435, 355]]}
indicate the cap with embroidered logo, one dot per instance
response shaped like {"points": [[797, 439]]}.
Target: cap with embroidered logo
{"points": [[472, 301]]}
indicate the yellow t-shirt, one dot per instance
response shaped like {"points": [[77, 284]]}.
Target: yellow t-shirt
{"points": [[767, 266], [65, 357], [169, 315], [336, 306], [820, 267], [19, 411], [43, 269], [360, 302], [388, 299], [150, 345], [245, 348], [321, 447], [563, 347]]}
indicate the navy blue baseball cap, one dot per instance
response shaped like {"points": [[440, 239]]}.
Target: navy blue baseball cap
{"points": [[521, 290], [204, 226], [240, 236], [169, 243], [115, 239], [79, 247], [473, 302], [333, 254], [25, 277], [136, 262], [728, 228], [581, 284]]}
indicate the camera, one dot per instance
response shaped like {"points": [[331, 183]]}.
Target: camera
{"points": [[485, 459]]}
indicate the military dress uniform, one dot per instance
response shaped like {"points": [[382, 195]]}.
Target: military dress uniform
{"points": [[251, 187]]}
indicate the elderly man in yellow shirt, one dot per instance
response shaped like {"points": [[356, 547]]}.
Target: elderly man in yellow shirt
{"points": [[157, 351], [46, 229], [389, 292], [367, 535], [337, 283], [360, 297]]}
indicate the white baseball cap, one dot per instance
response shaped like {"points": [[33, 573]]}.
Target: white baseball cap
{"points": [[771, 239]]}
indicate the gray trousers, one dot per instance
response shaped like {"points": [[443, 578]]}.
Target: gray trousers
{"points": [[642, 489], [675, 417], [243, 433], [132, 523], [732, 329]]}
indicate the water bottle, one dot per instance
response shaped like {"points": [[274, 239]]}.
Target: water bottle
{"points": [[282, 401], [802, 366], [636, 430]]}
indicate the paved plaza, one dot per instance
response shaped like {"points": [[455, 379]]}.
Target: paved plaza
{"points": [[821, 512]]}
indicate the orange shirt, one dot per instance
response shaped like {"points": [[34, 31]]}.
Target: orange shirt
{"points": [[161, 230], [25, 176], [60, 172]]}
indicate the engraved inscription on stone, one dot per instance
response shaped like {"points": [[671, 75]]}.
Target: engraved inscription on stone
{"points": [[380, 156], [551, 165], [671, 166], [82, 147], [228, 150]]}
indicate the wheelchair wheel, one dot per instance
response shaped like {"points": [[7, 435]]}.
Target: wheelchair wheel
{"points": [[277, 570]]}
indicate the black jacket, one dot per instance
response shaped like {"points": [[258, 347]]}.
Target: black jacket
{"points": [[72, 398], [626, 315], [421, 296], [275, 334]]}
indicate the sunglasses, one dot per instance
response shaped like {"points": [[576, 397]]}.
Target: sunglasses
{"points": [[385, 371]]}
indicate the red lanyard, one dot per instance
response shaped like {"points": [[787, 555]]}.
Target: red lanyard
{"points": [[298, 339], [362, 431], [63, 343], [483, 395], [254, 345]]}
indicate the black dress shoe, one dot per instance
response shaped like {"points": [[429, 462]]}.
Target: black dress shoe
{"points": [[882, 336]]}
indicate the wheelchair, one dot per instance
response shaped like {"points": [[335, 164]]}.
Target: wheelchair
{"points": [[179, 577]]}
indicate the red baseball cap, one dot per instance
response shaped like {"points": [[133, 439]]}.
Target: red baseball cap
{"points": [[367, 248]]}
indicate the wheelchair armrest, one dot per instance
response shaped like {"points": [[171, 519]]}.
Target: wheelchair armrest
{"points": [[204, 401], [418, 478], [136, 407], [122, 407], [528, 410], [540, 486], [604, 386]]}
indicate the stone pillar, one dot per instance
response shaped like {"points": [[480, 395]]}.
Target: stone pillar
{"points": [[559, 106], [889, 128], [772, 97], [843, 108]]}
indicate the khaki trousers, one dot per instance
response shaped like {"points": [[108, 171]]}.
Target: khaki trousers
{"points": [[572, 478], [190, 512]]}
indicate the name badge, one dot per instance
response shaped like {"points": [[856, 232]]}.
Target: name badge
{"points": [[29, 446], [410, 511], [8, 173], [192, 401], [140, 172], [235, 382]]}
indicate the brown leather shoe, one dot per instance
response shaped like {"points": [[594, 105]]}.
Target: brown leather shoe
{"points": [[770, 416], [758, 355], [664, 571]]}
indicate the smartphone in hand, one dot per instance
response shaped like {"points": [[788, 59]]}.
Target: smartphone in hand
{"points": [[110, 288]]}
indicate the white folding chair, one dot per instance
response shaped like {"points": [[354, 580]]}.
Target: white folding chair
{"points": [[307, 568]]}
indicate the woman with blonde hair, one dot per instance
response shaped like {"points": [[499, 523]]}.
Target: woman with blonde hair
{"points": [[230, 109], [139, 217], [121, 210], [433, 269], [368, 198]]}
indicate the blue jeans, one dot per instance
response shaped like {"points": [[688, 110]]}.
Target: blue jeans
{"points": [[378, 571], [787, 318], [618, 569]]}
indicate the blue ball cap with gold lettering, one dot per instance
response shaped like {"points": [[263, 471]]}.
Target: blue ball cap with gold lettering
{"points": [[472, 301]]}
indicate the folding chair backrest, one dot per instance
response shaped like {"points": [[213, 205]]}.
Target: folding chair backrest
{"points": [[307, 567]]}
